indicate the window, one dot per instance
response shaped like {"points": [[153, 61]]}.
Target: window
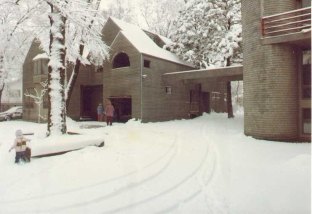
{"points": [[306, 3], [168, 90], [215, 95], [41, 66], [306, 75], [147, 63], [306, 120], [121, 60]]}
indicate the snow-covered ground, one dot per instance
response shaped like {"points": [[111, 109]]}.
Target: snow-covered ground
{"points": [[204, 165]]}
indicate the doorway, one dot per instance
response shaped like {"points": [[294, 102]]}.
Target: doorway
{"points": [[123, 108], [199, 101], [91, 96], [205, 102]]}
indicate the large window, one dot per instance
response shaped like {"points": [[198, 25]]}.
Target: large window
{"points": [[40, 66], [306, 120], [305, 103], [121, 60], [306, 3], [306, 75]]}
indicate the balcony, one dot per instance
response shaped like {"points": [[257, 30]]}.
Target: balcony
{"points": [[288, 27]]}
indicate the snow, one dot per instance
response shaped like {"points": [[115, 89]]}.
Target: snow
{"points": [[53, 145], [211, 68], [203, 165], [41, 56]]}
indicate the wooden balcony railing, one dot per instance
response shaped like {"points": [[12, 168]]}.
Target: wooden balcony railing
{"points": [[294, 21]]}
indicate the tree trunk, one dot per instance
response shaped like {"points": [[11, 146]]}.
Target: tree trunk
{"points": [[56, 75], [229, 100], [74, 75], [1, 91], [229, 93], [49, 80]]}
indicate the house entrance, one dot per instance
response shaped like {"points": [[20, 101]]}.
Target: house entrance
{"points": [[91, 96], [123, 108], [199, 101], [205, 102]]}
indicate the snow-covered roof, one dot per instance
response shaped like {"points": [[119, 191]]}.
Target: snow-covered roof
{"points": [[235, 72], [166, 40], [41, 56], [144, 44]]}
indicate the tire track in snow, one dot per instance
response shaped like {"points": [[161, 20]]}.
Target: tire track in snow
{"points": [[205, 163], [192, 175], [208, 165], [164, 155], [167, 157]]}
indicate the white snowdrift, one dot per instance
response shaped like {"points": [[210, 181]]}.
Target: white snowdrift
{"points": [[54, 145]]}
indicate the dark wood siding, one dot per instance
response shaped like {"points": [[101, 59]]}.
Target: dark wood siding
{"points": [[157, 104], [124, 81]]}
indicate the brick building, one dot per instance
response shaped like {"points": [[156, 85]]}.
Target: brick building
{"points": [[277, 69]]}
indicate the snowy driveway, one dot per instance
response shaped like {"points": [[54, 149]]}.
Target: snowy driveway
{"points": [[204, 165], [146, 169]]}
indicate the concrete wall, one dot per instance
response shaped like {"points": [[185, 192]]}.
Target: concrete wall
{"points": [[270, 76]]}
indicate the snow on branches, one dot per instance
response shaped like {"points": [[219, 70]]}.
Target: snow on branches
{"points": [[73, 24], [209, 33]]}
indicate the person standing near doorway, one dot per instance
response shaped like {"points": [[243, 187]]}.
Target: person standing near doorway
{"points": [[109, 111], [100, 112]]}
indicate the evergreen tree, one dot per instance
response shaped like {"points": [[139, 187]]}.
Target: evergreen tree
{"points": [[158, 15], [209, 33]]}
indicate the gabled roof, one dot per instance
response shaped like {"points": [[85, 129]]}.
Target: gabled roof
{"points": [[143, 43]]}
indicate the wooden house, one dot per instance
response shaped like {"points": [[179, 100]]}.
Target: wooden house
{"points": [[141, 79]]}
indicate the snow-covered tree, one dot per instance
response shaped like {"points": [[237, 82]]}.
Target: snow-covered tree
{"points": [[38, 97], [69, 28], [209, 33], [78, 61], [56, 74], [158, 15], [121, 9], [14, 38]]}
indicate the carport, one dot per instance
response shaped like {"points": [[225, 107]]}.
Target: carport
{"points": [[200, 82]]}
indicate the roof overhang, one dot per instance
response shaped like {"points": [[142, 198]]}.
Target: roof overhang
{"points": [[231, 73]]}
